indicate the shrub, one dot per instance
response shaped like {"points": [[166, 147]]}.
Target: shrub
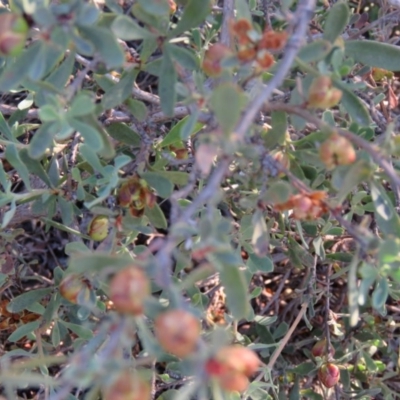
{"points": [[194, 194]]}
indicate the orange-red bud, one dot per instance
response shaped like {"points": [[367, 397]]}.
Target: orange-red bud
{"points": [[177, 332], [213, 57], [128, 290], [128, 386], [329, 375], [337, 150], [13, 34], [321, 94]]}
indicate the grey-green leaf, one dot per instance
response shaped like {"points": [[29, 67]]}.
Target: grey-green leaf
{"points": [[121, 132], [353, 105], [235, 287], [385, 213], [126, 28], [374, 54], [105, 44], [26, 299], [194, 14], [338, 18], [227, 102], [156, 216], [168, 79], [14, 159], [162, 185]]}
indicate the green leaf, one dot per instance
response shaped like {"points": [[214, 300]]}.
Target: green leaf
{"points": [[12, 156], [137, 108], [194, 14], [374, 54], [162, 185], [385, 213], [298, 255], [120, 91], [155, 7], [338, 18], [353, 105], [352, 291], [96, 262], [66, 210], [277, 134], [260, 264], [91, 135], [38, 64], [106, 44], [260, 236], [347, 179], [167, 81], [227, 101], [174, 135], [5, 129], [314, 51], [24, 330], [42, 140], [156, 216], [81, 331], [34, 166], [185, 57], [242, 10], [25, 300], [17, 70], [380, 293], [126, 28], [278, 193], [235, 287], [176, 177], [82, 105], [121, 132]]}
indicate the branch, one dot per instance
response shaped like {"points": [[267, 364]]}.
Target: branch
{"points": [[302, 18], [371, 149]]}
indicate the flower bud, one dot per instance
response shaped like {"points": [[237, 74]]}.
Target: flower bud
{"points": [[213, 57], [319, 349], [172, 6], [73, 287], [136, 194], [272, 40], [128, 290], [232, 366], [321, 93], [265, 60], [98, 228], [177, 332], [128, 386], [13, 34], [329, 375], [337, 150], [240, 30]]}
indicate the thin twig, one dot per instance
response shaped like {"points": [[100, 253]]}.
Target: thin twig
{"points": [[303, 15]]}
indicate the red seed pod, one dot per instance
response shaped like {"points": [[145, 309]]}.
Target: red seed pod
{"points": [[13, 34], [272, 40], [128, 290], [213, 57], [322, 94], [177, 332], [128, 386], [232, 366], [319, 349], [329, 375], [337, 150], [73, 287]]}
